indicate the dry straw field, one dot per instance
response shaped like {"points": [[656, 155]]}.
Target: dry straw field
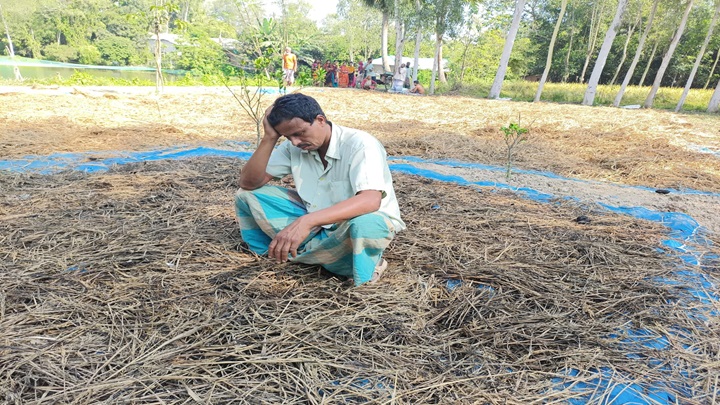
{"points": [[132, 285]]}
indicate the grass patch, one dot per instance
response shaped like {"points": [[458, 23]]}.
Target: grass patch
{"points": [[666, 98]]}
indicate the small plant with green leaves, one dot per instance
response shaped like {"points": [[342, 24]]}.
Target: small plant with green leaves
{"points": [[514, 135], [250, 97]]}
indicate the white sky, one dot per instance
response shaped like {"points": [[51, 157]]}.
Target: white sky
{"points": [[320, 8]]}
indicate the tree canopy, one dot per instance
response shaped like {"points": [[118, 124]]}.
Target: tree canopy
{"points": [[222, 35]]}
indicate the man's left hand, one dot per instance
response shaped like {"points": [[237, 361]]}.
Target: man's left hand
{"points": [[288, 240]]}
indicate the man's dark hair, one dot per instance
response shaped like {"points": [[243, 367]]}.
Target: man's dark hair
{"points": [[294, 105], [416, 82]]}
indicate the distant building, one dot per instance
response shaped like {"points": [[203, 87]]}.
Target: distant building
{"points": [[168, 42]]}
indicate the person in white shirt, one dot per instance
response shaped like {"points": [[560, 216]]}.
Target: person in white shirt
{"points": [[399, 78], [344, 212]]}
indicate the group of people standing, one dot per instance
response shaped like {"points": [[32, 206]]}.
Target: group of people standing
{"points": [[349, 74], [339, 74]]}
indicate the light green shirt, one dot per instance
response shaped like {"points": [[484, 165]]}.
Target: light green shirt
{"points": [[356, 161]]}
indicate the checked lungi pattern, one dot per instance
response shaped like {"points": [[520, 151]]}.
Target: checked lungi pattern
{"points": [[350, 248]]}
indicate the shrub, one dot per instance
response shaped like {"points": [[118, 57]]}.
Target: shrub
{"points": [[89, 55], [201, 56], [60, 53], [117, 51]]}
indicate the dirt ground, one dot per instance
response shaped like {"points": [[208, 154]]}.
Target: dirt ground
{"points": [[601, 148]]}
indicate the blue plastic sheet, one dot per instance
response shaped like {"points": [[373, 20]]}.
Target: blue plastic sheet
{"points": [[550, 175], [92, 162]]}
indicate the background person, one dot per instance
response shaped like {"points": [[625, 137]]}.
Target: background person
{"points": [[368, 83], [399, 78], [369, 69], [290, 66], [417, 88], [408, 74]]}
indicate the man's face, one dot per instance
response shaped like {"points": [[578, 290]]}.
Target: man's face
{"points": [[304, 135]]}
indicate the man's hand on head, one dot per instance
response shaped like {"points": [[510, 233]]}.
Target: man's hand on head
{"points": [[270, 132], [288, 240]]}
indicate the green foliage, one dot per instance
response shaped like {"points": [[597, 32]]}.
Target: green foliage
{"points": [[279, 82], [83, 78], [79, 78], [519, 90], [355, 31], [514, 134], [319, 77], [304, 77], [89, 55], [117, 51], [424, 77], [200, 55], [60, 53], [115, 32]]}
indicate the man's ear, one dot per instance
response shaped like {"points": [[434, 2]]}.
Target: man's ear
{"points": [[321, 119]]}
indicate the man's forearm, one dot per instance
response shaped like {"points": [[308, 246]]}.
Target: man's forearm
{"points": [[364, 202], [253, 174]]}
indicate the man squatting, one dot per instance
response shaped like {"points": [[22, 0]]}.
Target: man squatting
{"points": [[344, 212]]}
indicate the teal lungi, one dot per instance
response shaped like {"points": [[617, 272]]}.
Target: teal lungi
{"points": [[350, 248]]}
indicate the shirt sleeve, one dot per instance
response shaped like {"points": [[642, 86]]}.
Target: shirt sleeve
{"points": [[280, 164], [368, 168]]}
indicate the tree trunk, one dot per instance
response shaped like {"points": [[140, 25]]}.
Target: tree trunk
{"points": [[441, 68], [631, 30], [186, 11], [636, 58], [507, 50], [399, 37], [34, 48], [566, 71], [159, 82], [463, 59], [712, 71], [666, 59], [602, 56], [418, 40], [435, 67], [595, 18], [548, 61], [714, 100], [698, 59], [647, 67], [385, 27], [10, 49]]}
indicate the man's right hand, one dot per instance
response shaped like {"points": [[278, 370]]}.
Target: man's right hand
{"points": [[270, 132]]}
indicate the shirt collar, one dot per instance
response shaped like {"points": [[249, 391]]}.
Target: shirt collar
{"points": [[333, 151]]}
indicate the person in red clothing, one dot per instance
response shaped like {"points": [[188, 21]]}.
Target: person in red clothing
{"points": [[290, 66], [343, 76]]}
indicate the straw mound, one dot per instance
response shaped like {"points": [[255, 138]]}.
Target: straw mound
{"points": [[639, 147], [133, 286]]}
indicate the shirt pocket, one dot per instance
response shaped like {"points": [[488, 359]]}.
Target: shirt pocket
{"points": [[340, 191]]}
